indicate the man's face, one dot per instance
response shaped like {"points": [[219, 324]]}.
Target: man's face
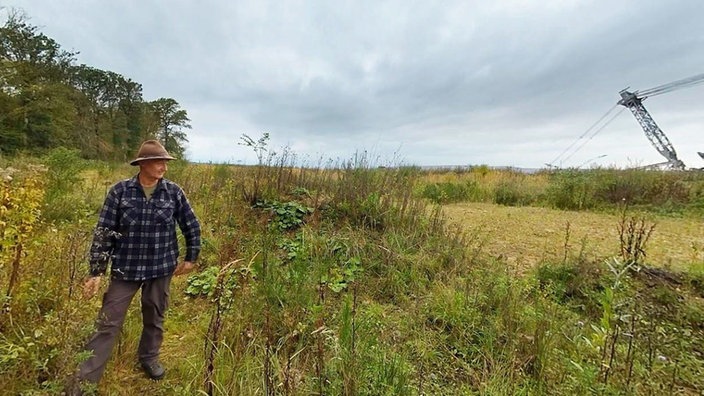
{"points": [[154, 168]]}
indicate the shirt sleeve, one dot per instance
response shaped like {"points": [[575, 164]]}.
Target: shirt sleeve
{"points": [[105, 234], [190, 227]]}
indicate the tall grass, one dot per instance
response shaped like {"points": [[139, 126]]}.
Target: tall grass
{"points": [[569, 189], [339, 280]]}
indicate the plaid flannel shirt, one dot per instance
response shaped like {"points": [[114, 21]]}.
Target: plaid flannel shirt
{"points": [[139, 235]]}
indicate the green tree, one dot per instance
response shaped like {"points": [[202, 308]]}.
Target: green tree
{"points": [[171, 120], [111, 110], [34, 100], [31, 56], [46, 100]]}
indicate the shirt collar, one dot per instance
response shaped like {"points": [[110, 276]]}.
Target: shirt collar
{"points": [[134, 183]]}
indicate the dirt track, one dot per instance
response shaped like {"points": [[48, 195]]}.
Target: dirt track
{"points": [[525, 236]]}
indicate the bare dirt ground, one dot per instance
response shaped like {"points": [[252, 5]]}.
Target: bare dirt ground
{"points": [[525, 236]]}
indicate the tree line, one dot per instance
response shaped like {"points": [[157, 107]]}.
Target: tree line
{"points": [[48, 99]]}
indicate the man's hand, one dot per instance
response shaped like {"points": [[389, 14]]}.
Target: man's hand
{"points": [[91, 286], [184, 268]]}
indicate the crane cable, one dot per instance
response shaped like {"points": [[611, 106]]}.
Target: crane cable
{"points": [[683, 83], [601, 128], [583, 135], [661, 89]]}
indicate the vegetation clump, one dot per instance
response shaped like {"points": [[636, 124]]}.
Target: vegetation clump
{"points": [[671, 193]]}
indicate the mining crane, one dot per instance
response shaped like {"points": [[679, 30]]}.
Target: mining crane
{"points": [[634, 102]]}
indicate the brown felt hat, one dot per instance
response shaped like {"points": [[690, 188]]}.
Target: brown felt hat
{"points": [[151, 149]]}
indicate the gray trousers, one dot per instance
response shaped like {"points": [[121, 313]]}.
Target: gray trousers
{"points": [[116, 301]]}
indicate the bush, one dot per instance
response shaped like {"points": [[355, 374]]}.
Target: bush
{"points": [[508, 193], [571, 190], [65, 167], [286, 215], [570, 281], [448, 192]]}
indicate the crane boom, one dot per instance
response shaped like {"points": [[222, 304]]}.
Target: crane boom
{"points": [[634, 101], [656, 136]]}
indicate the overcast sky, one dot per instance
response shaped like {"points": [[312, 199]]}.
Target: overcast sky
{"points": [[503, 83]]}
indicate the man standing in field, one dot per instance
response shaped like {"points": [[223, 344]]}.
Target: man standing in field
{"points": [[137, 231]]}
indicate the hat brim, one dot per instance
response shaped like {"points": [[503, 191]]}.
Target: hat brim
{"points": [[136, 161]]}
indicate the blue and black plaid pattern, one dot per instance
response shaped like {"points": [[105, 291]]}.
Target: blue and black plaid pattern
{"points": [[139, 235]]}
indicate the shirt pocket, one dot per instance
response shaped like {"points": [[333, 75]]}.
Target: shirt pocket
{"points": [[164, 212], [129, 212]]}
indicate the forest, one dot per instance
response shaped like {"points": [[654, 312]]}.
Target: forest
{"points": [[48, 99]]}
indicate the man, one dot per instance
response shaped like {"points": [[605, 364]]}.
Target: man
{"points": [[137, 231]]}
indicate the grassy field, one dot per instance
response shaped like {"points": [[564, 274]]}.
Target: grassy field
{"points": [[527, 236], [350, 280]]}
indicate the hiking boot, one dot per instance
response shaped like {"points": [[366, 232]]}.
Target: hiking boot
{"points": [[154, 370], [72, 390], [73, 387]]}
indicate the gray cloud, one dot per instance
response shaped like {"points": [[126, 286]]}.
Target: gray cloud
{"points": [[456, 82]]}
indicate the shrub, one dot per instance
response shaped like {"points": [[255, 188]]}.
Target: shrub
{"points": [[448, 192], [570, 281], [65, 166], [64, 175], [286, 215], [508, 193], [571, 190]]}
